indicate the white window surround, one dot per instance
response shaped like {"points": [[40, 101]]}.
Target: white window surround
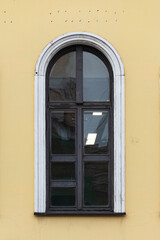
{"points": [[119, 114]]}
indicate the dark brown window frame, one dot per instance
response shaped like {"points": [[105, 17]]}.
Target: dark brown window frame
{"points": [[80, 106]]}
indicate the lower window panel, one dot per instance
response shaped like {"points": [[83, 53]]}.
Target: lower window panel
{"points": [[62, 196], [96, 184]]}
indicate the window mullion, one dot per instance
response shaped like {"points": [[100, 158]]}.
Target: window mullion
{"points": [[79, 75], [79, 159]]}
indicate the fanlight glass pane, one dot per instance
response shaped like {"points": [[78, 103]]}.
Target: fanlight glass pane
{"points": [[62, 132], [62, 79], [96, 184], [96, 132], [96, 82]]}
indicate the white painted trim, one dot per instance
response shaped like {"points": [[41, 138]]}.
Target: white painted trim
{"points": [[119, 114]]}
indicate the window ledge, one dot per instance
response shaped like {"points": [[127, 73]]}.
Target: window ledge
{"points": [[98, 213]]}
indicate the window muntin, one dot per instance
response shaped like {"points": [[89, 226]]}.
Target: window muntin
{"points": [[99, 108]]}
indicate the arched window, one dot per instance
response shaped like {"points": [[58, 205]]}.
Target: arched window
{"points": [[81, 169]]}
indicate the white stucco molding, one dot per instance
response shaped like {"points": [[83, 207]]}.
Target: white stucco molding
{"points": [[119, 114]]}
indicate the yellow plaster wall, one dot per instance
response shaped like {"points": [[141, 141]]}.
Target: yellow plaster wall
{"points": [[133, 28]]}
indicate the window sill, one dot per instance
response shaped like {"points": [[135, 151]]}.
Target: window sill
{"points": [[100, 213]]}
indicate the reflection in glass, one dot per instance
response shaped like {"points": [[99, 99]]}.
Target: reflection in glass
{"points": [[62, 132], [62, 196], [62, 171], [62, 78], [96, 184], [95, 132], [95, 78]]}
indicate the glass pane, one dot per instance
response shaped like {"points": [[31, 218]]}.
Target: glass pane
{"points": [[63, 132], [96, 184], [62, 78], [62, 171], [95, 79], [96, 132], [62, 196]]}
